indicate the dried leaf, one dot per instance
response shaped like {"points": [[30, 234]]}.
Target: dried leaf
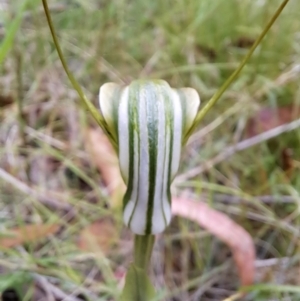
{"points": [[101, 235], [25, 234], [104, 157], [217, 223], [269, 118]]}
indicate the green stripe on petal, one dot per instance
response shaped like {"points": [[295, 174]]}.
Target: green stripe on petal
{"points": [[149, 120]]}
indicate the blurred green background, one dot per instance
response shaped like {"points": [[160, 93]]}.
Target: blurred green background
{"points": [[193, 43]]}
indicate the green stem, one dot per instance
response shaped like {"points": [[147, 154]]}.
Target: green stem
{"points": [[143, 245], [266, 287], [84, 101], [235, 74], [21, 120]]}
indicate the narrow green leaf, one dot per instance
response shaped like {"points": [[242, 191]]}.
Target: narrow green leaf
{"points": [[84, 102], [11, 31], [270, 287], [137, 286], [236, 73], [16, 280]]}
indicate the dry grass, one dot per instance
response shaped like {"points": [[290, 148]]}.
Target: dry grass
{"points": [[47, 175]]}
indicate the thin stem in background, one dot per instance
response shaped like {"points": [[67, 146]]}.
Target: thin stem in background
{"points": [[20, 96], [270, 287], [235, 74], [12, 28]]}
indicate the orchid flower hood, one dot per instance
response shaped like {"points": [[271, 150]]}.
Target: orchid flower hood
{"points": [[149, 121]]}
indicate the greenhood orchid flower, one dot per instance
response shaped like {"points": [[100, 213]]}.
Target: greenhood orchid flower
{"points": [[149, 121]]}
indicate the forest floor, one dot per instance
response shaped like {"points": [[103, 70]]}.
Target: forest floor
{"points": [[61, 230]]}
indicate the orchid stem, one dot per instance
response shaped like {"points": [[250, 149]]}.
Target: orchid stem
{"points": [[143, 245]]}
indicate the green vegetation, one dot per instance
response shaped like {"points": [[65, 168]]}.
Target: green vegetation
{"points": [[187, 43]]}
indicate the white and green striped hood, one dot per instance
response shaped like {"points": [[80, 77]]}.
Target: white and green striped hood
{"points": [[148, 120]]}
